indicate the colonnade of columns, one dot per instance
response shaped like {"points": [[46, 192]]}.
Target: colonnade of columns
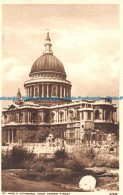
{"points": [[11, 135], [40, 117], [48, 90]]}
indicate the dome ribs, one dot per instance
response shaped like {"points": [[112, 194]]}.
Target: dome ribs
{"points": [[48, 62]]}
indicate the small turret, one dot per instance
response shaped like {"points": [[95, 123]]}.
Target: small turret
{"points": [[19, 101], [19, 94]]}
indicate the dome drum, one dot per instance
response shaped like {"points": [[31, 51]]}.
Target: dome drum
{"points": [[48, 74], [49, 89]]}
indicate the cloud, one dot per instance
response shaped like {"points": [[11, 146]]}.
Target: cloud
{"points": [[95, 67], [12, 69], [85, 36], [16, 73], [8, 62], [114, 63]]}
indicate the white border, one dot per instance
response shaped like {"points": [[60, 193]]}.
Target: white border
{"points": [[120, 2]]}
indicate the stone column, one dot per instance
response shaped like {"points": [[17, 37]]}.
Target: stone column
{"points": [[86, 117], [64, 91], [92, 116], [115, 116], [67, 92], [60, 91], [57, 90], [27, 91], [12, 136], [24, 118], [70, 92], [100, 114], [34, 90], [9, 136], [65, 114], [80, 116], [28, 118], [104, 115], [47, 90], [111, 115], [42, 90], [42, 116], [30, 91], [38, 90], [56, 116], [18, 118]]}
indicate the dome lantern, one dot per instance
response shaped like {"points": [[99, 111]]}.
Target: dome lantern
{"points": [[48, 44]]}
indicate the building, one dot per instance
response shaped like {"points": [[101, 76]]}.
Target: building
{"points": [[73, 121]]}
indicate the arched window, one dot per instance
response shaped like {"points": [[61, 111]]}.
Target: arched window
{"points": [[97, 114]]}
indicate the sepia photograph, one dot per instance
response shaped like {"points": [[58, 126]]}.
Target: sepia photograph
{"points": [[60, 98]]}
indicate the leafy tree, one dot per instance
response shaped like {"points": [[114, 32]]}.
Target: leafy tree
{"points": [[37, 136], [30, 136], [42, 134]]}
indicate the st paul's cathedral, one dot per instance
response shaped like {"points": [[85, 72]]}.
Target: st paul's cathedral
{"points": [[74, 121]]}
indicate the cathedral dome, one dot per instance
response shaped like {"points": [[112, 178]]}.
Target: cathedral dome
{"points": [[48, 78], [48, 62]]}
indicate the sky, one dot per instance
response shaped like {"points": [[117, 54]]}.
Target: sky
{"points": [[85, 38]]}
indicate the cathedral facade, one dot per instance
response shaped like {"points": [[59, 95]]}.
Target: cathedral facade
{"points": [[73, 121]]}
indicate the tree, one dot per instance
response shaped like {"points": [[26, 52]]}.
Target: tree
{"points": [[33, 136], [42, 134], [30, 136]]}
